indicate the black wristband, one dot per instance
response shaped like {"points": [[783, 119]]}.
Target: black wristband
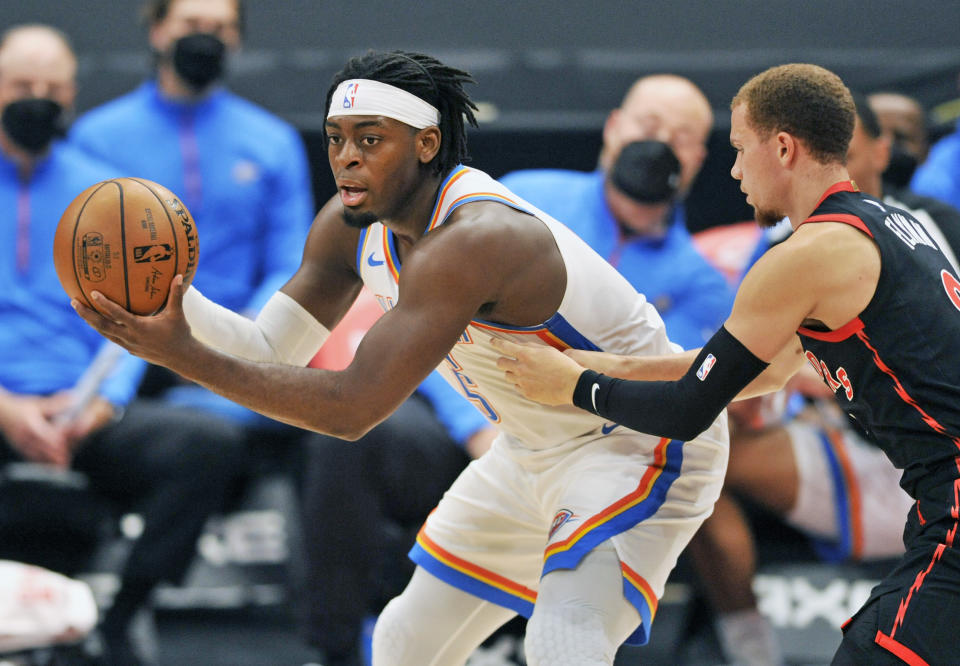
{"points": [[680, 409], [585, 396]]}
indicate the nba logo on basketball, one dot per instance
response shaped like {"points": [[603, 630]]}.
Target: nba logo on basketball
{"points": [[351, 95], [705, 367]]}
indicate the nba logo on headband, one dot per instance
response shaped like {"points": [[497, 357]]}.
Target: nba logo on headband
{"points": [[350, 95], [382, 99]]}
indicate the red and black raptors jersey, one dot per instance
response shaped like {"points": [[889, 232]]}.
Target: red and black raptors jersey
{"points": [[895, 370], [896, 367]]}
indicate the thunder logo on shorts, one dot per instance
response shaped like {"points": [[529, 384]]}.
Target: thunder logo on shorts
{"points": [[558, 520]]}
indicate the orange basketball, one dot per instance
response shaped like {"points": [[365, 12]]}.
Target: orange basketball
{"points": [[126, 238]]}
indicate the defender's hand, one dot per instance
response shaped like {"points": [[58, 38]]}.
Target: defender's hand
{"points": [[539, 373], [603, 362]]}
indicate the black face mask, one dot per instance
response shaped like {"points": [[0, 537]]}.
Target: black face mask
{"points": [[199, 59], [647, 171], [901, 166], [33, 123]]}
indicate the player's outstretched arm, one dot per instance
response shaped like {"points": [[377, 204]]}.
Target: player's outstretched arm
{"points": [[542, 375], [393, 358], [285, 330], [647, 368], [722, 369], [438, 301], [673, 366]]}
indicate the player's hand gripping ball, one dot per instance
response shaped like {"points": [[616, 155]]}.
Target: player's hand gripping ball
{"points": [[126, 238]]}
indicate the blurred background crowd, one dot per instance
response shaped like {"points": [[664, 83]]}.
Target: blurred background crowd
{"points": [[162, 524]]}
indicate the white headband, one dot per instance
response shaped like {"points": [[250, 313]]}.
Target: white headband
{"points": [[363, 97]]}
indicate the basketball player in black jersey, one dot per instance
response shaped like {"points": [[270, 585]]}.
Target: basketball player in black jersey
{"points": [[860, 291]]}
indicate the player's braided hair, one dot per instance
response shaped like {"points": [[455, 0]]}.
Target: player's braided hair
{"points": [[430, 80]]}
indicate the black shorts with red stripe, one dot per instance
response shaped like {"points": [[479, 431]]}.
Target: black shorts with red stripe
{"points": [[914, 613]]}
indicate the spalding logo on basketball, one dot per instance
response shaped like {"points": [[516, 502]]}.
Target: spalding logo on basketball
{"points": [[126, 238]]}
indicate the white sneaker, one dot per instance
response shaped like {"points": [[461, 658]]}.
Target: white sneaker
{"points": [[747, 639]]}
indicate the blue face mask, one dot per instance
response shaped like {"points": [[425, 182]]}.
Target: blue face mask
{"points": [[33, 123]]}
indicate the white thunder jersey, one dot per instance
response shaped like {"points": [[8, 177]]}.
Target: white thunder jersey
{"points": [[600, 310]]}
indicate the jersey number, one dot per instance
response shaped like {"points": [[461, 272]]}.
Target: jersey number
{"points": [[952, 286], [469, 390], [842, 380]]}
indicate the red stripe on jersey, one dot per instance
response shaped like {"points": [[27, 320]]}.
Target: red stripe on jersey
{"points": [[843, 218], [918, 581], [842, 186], [641, 584], [917, 584], [902, 392], [899, 649], [392, 262], [852, 327], [955, 509]]}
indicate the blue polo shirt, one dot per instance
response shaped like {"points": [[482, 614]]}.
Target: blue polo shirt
{"points": [[939, 175], [243, 174], [241, 171], [44, 345]]}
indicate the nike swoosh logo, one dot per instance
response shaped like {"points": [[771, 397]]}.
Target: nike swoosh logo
{"points": [[372, 261], [607, 428], [593, 395]]}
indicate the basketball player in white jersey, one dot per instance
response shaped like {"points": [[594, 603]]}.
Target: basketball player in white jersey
{"points": [[568, 519]]}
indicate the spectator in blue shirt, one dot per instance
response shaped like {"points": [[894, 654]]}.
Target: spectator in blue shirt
{"points": [[903, 122], [939, 175], [638, 222], [241, 171], [168, 464]]}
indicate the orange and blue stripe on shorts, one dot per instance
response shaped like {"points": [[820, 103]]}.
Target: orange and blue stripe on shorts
{"points": [[620, 516], [470, 578], [642, 597]]}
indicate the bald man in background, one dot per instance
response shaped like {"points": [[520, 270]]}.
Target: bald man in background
{"points": [[630, 209], [903, 122], [167, 464], [662, 107]]}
